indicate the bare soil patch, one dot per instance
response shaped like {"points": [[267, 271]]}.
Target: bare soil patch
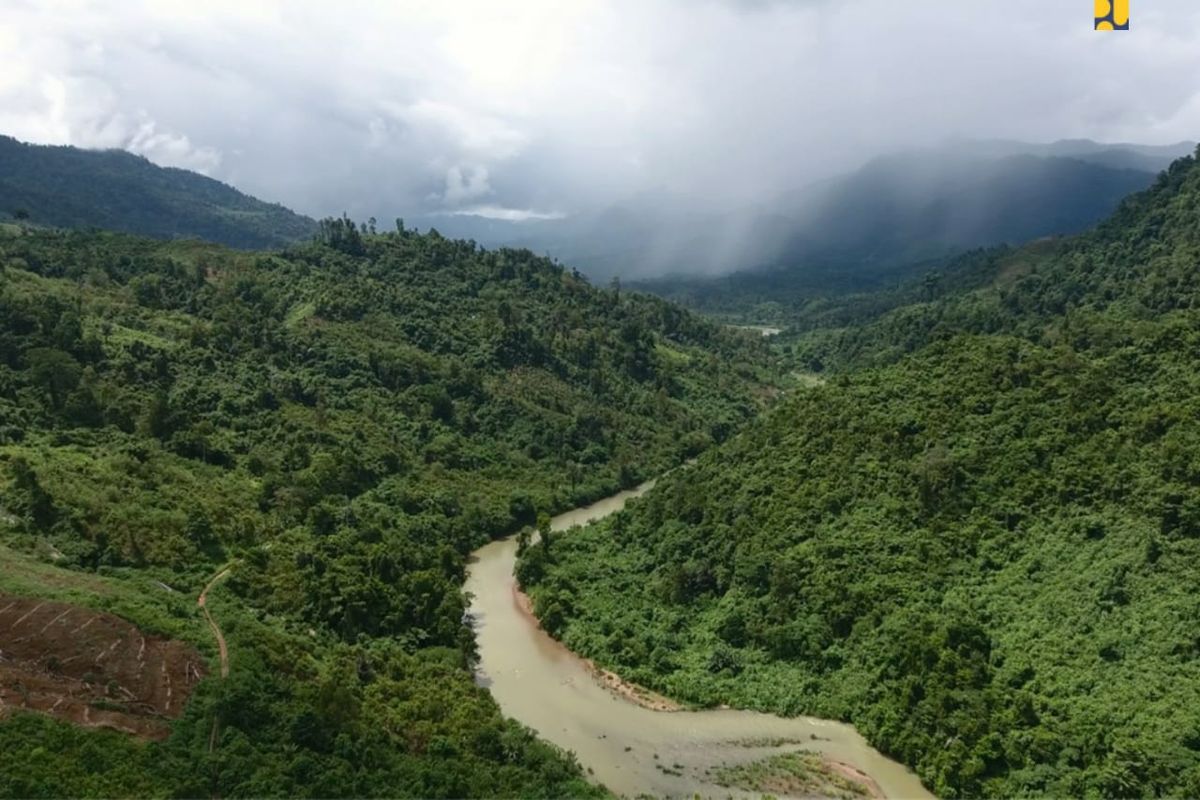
{"points": [[92, 668]]}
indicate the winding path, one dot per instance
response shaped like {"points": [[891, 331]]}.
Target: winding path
{"points": [[212, 623], [202, 601]]}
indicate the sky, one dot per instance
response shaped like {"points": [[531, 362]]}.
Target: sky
{"points": [[535, 108]]}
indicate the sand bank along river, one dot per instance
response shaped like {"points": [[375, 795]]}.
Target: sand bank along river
{"points": [[630, 748]]}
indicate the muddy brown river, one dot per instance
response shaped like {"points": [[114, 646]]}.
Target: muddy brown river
{"points": [[630, 749]]}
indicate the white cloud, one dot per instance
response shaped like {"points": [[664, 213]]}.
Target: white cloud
{"points": [[394, 108], [171, 149], [470, 131], [465, 184], [508, 214], [57, 92]]}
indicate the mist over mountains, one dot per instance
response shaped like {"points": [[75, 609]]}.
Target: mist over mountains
{"points": [[897, 208], [900, 208]]}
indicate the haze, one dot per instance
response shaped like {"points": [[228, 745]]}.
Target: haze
{"points": [[542, 109]]}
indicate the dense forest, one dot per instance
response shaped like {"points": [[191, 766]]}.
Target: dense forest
{"points": [[69, 187], [341, 423], [976, 538]]}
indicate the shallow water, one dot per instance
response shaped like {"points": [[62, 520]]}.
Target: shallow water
{"points": [[540, 683], [765, 330]]}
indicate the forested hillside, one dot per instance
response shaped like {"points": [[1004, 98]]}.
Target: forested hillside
{"points": [[339, 423], [68, 187], [977, 540], [1136, 267]]}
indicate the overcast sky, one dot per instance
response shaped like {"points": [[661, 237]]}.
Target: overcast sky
{"points": [[398, 107]]}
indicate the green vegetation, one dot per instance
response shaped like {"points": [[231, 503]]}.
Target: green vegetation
{"points": [[72, 188], [100, 763], [796, 774], [977, 541], [344, 421]]}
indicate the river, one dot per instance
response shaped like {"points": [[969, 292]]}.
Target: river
{"points": [[765, 330], [631, 749]]}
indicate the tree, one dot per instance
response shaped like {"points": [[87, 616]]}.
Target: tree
{"points": [[157, 420], [54, 371], [38, 503], [341, 234]]}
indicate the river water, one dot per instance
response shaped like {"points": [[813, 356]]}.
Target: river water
{"points": [[765, 330], [627, 747]]}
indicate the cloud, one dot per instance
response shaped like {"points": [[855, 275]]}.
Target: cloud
{"points": [[463, 185], [56, 95], [171, 149], [418, 106], [508, 214], [470, 132]]}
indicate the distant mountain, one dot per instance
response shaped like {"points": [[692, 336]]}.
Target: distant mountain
{"points": [[896, 209], [913, 206], [73, 188], [903, 214], [1147, 158]]}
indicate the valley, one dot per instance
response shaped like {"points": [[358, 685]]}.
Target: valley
{"points": [[900, 523], [974, 540], [621, 399]]}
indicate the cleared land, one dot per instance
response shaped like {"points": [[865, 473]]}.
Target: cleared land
{"points": [[92, 668]]}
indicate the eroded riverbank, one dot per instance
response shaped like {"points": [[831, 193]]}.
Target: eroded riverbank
{"points": [[630, 748]]}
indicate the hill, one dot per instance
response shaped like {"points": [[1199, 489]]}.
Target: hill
{"points": [[1120, 155], [903, 215], [329, 429], [916, 206], [976, 538], [67, 187]]}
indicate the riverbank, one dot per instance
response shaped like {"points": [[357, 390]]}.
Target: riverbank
{"points": [[618, 733], [610, 680]]}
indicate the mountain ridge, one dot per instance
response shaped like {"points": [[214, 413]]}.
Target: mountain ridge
{"points": [[840, 224], [70, 187]]}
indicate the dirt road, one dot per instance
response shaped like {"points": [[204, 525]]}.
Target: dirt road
{"points": [[212, 623]]}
